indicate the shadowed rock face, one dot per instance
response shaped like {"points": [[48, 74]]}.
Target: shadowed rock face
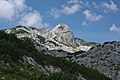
{"points": [[64, 34]]}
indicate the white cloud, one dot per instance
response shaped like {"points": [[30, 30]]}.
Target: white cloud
{"points": [[18, 12], [114, 28], [55, 12], [66, 10], [84, 23], [72, 1], [112, 6], [18, 4], [95, 4], [71, 10], [11, 8], [33, 19], [86, 4], [6, 9], [92, 17]]}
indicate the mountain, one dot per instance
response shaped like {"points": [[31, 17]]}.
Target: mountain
{"points": [[60, 43], [105, 58], [59, 38], [19, 60]]}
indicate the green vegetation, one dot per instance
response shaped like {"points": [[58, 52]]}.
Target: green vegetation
{"points": [[13, 49]]}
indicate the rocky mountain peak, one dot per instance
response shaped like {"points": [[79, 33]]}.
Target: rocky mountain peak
{"points": [[63, 34]]}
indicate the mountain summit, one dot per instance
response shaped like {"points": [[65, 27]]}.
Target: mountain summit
{"points": [[63, 34]]}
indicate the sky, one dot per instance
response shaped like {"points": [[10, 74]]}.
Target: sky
{"points": [[91, 20]]}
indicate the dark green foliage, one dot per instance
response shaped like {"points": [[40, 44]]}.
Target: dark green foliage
{"points": [[25, 44], [13, 49], [72, 68], [11, 45], [18, 72]]}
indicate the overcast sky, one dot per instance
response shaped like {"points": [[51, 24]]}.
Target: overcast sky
{"points": [[91, 20]]}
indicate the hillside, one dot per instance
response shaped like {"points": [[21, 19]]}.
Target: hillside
{"points": [[105, 58], [21, 61]]}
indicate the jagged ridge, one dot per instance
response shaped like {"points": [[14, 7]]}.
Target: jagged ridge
{"points": [[59, 38]]}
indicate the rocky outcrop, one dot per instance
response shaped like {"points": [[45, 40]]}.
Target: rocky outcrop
{"points": [[105, 58]]}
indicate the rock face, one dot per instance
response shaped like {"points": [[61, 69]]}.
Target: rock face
{"points": [[63, 34], [59, 38], [105, 58]]}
